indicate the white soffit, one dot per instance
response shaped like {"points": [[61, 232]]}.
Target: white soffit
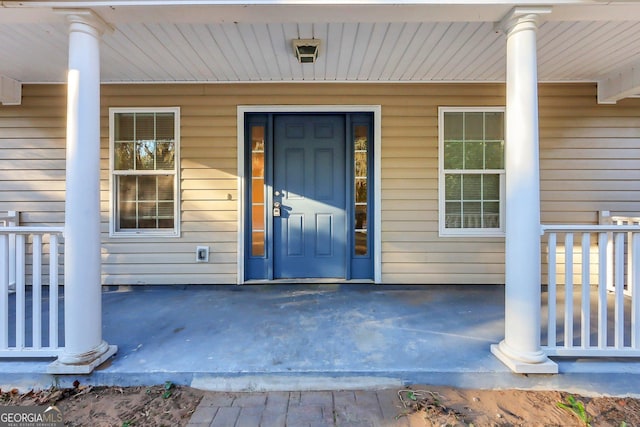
{"points": [[197, 41], [619, 84]]}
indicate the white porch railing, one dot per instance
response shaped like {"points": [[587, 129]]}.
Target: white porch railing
{"points": [[583, 318], [605, 218], [35, 314], [10, 219]]}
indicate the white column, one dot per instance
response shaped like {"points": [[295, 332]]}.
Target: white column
{"points": [[84, 347], [520, 350]]}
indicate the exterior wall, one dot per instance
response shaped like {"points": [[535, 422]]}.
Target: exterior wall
{"points": [[590, 158]]}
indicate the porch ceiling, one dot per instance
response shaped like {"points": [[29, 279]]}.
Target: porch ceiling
{"points": [[373, 43]]}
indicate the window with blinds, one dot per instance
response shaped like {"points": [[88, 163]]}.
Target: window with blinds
{"points": [[144, 171]]}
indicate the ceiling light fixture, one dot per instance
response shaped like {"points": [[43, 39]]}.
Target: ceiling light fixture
{"points": [[306, 50]]}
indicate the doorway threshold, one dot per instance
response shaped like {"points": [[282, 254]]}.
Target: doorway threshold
{"points": [[308, 281]]}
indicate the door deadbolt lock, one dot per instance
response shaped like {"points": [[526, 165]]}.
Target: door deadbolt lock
{"points": [[276, 209]]}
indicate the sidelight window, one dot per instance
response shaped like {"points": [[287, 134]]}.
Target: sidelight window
{"points": [[258, 212], [361, 184]]}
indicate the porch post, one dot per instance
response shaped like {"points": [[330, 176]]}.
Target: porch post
{"points": [[520, 350], [84, 347]]}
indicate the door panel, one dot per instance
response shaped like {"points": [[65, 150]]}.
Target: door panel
{"points": [[310, 235]]}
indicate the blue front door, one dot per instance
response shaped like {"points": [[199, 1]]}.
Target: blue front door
{"points": [[310, 236]]}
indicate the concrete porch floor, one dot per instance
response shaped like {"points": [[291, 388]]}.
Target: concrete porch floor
{"points": [[315, 337]]}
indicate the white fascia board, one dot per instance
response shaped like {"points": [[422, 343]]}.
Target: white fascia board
{"points": [[10, 91], [307, 11], [619, 84], [106, 3]]}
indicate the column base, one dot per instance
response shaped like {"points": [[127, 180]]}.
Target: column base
{"points": [[546, 366], [84, 367]]}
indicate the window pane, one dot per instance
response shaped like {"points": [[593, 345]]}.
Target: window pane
{"points": [[453, 187], [494, 155], [123, 123], [453, 155], [165, 155], [257, 190], [145, 126], [123, 155], [361, 217], [361, 190], [491, 216], [165, 187], [473, 126], [147, 214], [165, 209], [257, 243], [473, 152], [361, 243], [257, 164], [472, 214], [166, 223], [361, 164], [257, 138], [494, 126], [452, 214], [145, 154], [147, 188], [472, 187], [453, 126], [165, 127], [257, 217], [361, 138], [127, 188], [491, 187], [127, 214]]}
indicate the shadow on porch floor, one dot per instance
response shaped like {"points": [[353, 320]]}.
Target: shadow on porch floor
{"points": [[314, 337]]}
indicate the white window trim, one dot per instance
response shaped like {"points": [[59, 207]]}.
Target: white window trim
{"points": [[144, 233], [466, 232]]}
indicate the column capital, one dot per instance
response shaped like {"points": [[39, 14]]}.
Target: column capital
{"points": [[521, 18], [80, 19]]}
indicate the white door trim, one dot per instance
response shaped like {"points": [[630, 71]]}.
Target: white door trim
{"points": [[377, 146]]}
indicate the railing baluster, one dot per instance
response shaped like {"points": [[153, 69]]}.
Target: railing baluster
{"points": [[20, 291], [552, 290], [619, 289], [568, 290], [36, 292], [585, 312], [30, 339], [617, 273], [610, 268], [4, 291], [12, 249], [603, 272], [53, 291], [630, 252], [635, 299]]}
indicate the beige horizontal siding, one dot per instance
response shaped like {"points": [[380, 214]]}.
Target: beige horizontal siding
{"points": [[589, 160]]}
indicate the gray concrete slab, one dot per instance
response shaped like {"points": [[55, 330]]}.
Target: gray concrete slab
{"points": [[314, 337]]}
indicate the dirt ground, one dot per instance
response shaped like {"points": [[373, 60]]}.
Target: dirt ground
{"points": [[170, 405]]}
